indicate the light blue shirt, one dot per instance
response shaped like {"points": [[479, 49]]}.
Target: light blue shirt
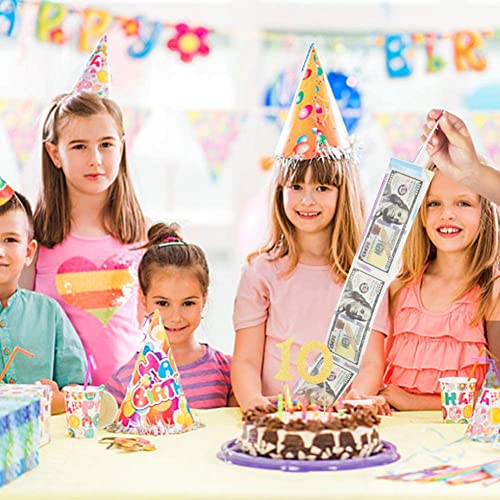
{"points": [[38, 324]]}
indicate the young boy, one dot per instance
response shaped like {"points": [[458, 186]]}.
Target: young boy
{"points": [[31, 320]]}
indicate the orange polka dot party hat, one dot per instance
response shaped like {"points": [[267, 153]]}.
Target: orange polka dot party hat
{"points": [[96, 76], [155, 402], [314, 127]]}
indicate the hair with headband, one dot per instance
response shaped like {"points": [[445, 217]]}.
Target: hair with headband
{"points": [[166, 249]]}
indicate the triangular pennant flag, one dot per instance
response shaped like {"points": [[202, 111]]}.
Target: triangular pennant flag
{"points": [[403, 131], [314, 126], [20, 119], [6, 192], [215, 131], [96, 76], [484, 424], [488, 125], [133, 121], [155, 402]]}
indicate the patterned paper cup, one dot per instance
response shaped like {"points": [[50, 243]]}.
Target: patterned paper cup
{"points": [[82, 410], [457, 399]]}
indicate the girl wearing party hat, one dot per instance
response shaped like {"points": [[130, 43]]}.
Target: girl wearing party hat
{"points": [[290, 287], [88, 221], [445, 303]]}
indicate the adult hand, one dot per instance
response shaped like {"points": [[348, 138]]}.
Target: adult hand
{"points": [[451, 147]]}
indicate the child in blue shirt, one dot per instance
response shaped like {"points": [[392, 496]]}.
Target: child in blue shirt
{"points": [[30, 320]]}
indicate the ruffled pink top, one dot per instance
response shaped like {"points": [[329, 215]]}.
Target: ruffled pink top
{"points": [[428, 345]]}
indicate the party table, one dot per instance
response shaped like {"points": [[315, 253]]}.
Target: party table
{"points": [[185, 466]]}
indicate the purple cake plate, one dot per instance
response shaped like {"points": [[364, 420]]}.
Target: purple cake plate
{"points": [[231, 453]]}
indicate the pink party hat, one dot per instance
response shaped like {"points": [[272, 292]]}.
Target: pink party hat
{"points": [[96, 76], [314, 126], [155, 402], [6, 192]]}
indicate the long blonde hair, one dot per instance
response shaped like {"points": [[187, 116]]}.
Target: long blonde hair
{"points": [[483, 254], [123, 217], [347, 223]]}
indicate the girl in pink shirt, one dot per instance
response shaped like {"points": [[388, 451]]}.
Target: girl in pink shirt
{"points": [[445, 302], [290, 288], [174, 279], [89, 224]]}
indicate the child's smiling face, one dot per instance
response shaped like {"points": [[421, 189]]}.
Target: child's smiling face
{"points": [[178, 296], [453, 214], [16, 250]]}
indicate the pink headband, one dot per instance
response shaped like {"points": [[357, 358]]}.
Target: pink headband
{"points": [[170, 241]]}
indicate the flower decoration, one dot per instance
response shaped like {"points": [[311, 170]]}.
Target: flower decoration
{"points": [[131, 27], [189, 42], [57, 36]]}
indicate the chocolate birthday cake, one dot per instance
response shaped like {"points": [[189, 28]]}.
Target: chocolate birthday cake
{"points": [[318, 436]]}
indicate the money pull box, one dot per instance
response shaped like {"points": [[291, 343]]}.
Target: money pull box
{"points": [[19, 435]]}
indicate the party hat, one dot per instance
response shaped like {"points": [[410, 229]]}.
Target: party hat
{"points": [[6, 192], [484, 424], [155, 402], [96, 76], [314, 126]]}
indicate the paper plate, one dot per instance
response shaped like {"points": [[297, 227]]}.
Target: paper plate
{"points": [[109, 409], [231, 452]]}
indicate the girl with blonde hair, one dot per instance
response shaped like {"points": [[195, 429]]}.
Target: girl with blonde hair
{"points": [[445, 303]]}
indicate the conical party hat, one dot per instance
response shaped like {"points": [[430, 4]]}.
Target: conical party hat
{"points": [[484, 424], [155, 402], [96, 76], [6, 192], [314, 126]]}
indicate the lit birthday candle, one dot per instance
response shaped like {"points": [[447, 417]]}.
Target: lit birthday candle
{"points": [[280, 406]]}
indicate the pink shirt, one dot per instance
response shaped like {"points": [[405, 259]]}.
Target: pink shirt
{"points": [[299, 307], [95, 282], [426, 345]]}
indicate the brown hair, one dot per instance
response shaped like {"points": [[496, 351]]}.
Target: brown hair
{"points": [[347, 223], [483, 256], [123, 217], [21, 203], [166, 248]]}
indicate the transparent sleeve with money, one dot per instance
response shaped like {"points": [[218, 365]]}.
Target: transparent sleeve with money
{"points": [[375, 264]]}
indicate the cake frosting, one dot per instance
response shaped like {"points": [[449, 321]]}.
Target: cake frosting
{"points": [[310, 436]]}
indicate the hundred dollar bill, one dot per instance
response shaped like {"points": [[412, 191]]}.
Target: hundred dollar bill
{"points": [[354, 315], [325, 393], [390, 220]]}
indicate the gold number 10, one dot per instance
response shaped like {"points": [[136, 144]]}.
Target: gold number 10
{"points": [[284, 371]]}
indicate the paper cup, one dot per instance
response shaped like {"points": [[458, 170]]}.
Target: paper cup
{"points": [[82, 410], [457, 399]]}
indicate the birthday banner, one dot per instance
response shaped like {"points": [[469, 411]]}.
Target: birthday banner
{"points": [[400, 48], [55, 24], [215, 131], [375, 264]]}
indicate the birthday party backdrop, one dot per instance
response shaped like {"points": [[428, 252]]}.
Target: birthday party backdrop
{"points": [[205, 86]]}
